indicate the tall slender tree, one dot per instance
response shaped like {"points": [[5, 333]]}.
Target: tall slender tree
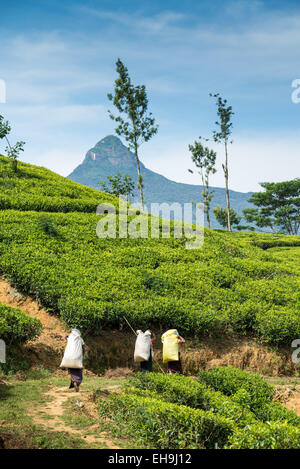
{"points": [[222, 135], [137, 126], [205, 160]]}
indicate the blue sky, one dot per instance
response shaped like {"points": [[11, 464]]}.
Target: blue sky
{"points": [[58, 62]]}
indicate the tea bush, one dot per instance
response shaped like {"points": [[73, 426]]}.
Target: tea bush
{"points": [[16, 327], [271, 435], [274, 411], [164, 425], [229, 380], [250, 391], [92, 283], [185, 391], [173, 411]]}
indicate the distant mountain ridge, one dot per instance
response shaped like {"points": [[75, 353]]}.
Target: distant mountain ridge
{"points": [[109, 156]]}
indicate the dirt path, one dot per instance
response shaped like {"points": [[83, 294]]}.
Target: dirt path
{"points": [[48, 349], [60, 403]]}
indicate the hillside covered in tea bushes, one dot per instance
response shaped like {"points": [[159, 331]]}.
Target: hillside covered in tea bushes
{"points": [[243, 283], [223, 408], [37, 188]]}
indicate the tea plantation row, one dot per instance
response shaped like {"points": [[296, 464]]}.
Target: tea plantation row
{"points": [[171, 411]]}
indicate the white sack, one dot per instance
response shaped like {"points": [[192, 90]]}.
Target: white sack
{"points": [[142, 346], [73, 353]]}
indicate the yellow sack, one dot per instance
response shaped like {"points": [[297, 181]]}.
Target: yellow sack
{"points": [[170, 346]]}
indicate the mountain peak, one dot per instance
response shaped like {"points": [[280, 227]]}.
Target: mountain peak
{"points": [[110, 148], [110, 140]]}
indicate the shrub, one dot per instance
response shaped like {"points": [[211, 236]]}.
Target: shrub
{"points": [[272, 435], [163, 425], [278, 326], [17, 327], [250, 391], [274, 411], [229, 380], [185, 391]]}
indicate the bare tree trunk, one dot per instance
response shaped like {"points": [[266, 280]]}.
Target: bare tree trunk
{"points": [[225, 169], [140, 179], [208, 218], [205, 195], [14, 163]]}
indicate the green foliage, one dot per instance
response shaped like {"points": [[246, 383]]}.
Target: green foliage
{"points": [[250, 391], [185, 391], [224, 123], [220, 214], [229, 285], [222, 135], [131, 101], [36, 188], [5, 128], [16, 327], [15, 360], [119, 185], [164, 425], [230, 380], [48, 226], [173, 411], [278, 206], [274, 411], [272, 435]]}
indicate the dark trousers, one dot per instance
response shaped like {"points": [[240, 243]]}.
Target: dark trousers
{"points": [[175, 367], [76, 375], [147, 366]]}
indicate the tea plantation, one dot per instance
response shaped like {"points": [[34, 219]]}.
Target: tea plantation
{"points": [[237, 283], [171, 411], [16, 327], [37, 188]]}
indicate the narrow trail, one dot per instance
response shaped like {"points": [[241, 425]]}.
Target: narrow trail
{"points": [[51, 416]]}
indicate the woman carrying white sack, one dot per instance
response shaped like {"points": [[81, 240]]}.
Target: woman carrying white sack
{"points": [[73, 358], [143, 351]]}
